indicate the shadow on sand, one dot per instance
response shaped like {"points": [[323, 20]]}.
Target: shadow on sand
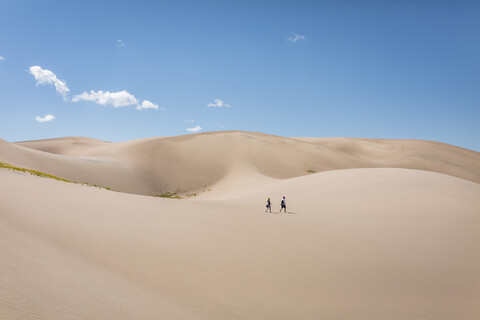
{"points": [[276, 212]]}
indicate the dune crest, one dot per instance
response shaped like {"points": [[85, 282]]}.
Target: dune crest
{"points": [[192, 163]]}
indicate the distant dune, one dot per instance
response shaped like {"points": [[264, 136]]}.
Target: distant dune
{"points": [[193, 163], [374, 229]]}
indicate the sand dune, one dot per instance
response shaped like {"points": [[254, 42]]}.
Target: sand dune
{"points": [[193, 163], [366, 237], [71, 146], [360, 243]]}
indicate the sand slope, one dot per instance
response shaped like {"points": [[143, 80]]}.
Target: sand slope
{"points": [[356, 244], [193, 163], [71, 146], [364, 238]]}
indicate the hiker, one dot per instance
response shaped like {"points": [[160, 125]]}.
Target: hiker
{"points": [[283, 205], [269, 205]]}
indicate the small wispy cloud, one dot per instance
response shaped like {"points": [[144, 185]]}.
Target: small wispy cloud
{"points": [[218, 103], [188, 121], [44, 76], [194, 129], [120, 43], [295, 37], [2, 58], [47, 118], [147, 105], [116, 99]]}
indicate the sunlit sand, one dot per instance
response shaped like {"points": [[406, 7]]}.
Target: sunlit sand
{"points": [[374, 229]]}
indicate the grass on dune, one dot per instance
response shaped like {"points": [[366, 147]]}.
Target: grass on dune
{"points": [[174, 195], [44, 175], [170, 195]]}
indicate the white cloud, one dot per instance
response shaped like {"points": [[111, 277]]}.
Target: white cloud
{"points": [[218, 103], [44, 76], [148, 105], [188, 121], [296, 37], [47, 118], [194, 129], [120, 43], [2, 58], [117, 99]]}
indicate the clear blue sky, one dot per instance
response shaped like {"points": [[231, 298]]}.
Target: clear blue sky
{"points": [[374, 69]]}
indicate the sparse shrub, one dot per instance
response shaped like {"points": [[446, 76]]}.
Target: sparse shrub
{"points": [[170, 195]]}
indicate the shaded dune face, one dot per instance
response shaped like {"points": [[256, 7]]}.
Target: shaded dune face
{"points": [[193, 163]]}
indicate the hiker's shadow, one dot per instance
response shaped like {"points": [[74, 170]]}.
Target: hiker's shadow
{"points": [[288, 212]]}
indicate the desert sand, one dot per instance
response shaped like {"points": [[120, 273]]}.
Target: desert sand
{"points": [[374, 229]]}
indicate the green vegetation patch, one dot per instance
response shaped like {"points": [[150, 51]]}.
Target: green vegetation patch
{"points": [[170, 195], [311, 171], [44, 175], [34, 172], [177, 194]]}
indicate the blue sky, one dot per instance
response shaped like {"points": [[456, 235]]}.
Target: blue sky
{"points": [[373, 69]]}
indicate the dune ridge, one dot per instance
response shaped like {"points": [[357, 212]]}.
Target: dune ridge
{"points": [[198, 162]]}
